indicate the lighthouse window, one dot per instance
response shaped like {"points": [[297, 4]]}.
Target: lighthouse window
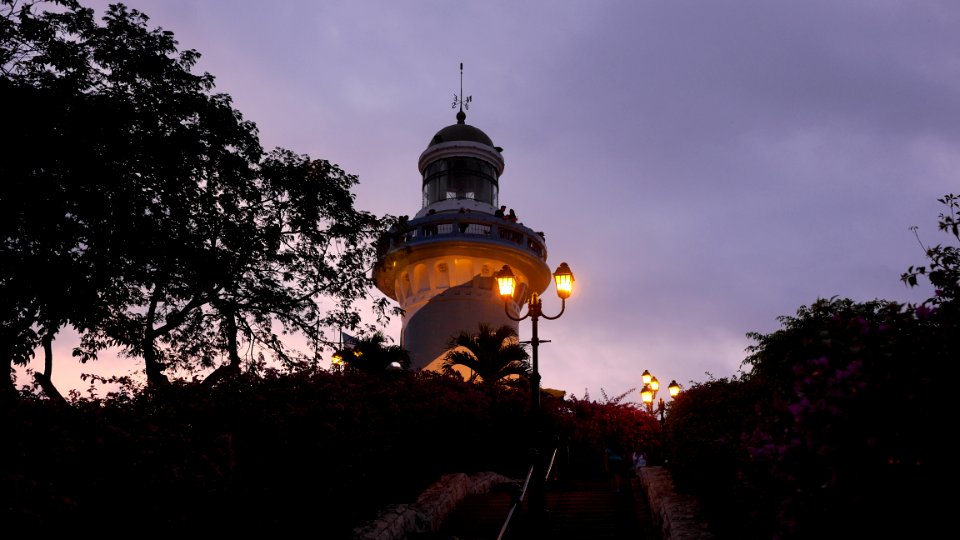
{"points": [[460, 178]]}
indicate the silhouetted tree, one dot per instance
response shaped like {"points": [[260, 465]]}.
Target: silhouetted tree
{"points": [[153, 220]]}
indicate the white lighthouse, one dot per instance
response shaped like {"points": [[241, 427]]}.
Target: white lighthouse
{"points": [[440, 265]]}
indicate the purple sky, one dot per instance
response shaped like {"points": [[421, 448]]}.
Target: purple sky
{"points": [[704, 167]]}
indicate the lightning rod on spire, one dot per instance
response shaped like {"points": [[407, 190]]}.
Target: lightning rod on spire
{"points": [[461, 101]]}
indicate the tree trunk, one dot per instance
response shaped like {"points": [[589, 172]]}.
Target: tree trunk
{"points": [[45, 380], [232, 369], [153, 367]]}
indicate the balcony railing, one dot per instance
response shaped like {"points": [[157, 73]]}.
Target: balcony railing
{"points": [[470, 225]]}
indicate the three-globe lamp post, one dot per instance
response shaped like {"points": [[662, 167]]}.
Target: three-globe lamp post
{"points": [[507, 284], [649, 391]]}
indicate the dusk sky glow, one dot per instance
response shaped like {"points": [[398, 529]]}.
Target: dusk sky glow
{"points": [[703, 166]]}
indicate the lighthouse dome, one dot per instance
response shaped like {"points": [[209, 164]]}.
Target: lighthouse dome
{"points": [[461, 169], [459, 132]]}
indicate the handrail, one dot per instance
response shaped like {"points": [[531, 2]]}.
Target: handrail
{"points": [[553, 457], [523, 491], [516, 502]]}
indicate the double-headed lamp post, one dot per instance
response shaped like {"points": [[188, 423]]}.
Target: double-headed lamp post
{"points": [[337, 362], [507, 283], [649, 391]]}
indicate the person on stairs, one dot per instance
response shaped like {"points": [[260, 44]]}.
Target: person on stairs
{"points": [[614, 462]]}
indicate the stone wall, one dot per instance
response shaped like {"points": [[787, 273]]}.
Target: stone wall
{"points": [[677, 515], [431, 508]]}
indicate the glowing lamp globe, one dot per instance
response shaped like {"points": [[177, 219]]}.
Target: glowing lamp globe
{"points": [[564, 280], [506, 282], [646, 394]]}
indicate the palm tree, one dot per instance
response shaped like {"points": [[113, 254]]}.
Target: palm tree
{"points": [[491, 355], [371, 354]]}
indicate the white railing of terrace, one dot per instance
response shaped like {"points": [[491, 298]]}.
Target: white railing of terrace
{"points": [[470, 226]]}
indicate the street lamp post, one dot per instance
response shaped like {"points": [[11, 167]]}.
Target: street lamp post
{"points": [[507, 283], [649, 391], [337, 362]]}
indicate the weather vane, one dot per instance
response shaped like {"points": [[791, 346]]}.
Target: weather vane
{"points": [[463, 102]]}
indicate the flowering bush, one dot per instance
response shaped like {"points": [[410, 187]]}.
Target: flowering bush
{"points": [[850, 436], [585, 428], [703, 433], [837, 428], [833, 426], [270, 452]]}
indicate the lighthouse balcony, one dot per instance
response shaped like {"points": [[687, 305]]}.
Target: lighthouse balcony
{"points": [[454, 238], [468, 226]]}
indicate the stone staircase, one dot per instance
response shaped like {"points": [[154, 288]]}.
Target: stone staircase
{"points": [[474, 507], [587, 509]]}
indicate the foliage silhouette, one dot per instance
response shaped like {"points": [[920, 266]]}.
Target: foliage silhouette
{"points": [[373, 355], [274, 452], [162, 228], [833, 430], [493, 355]]}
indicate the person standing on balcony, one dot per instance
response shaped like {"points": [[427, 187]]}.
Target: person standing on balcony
{"points": [[430, 229]]}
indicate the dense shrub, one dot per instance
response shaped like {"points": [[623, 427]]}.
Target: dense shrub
{"points": [[584, 429], [269, 452], [703, 433], [835, 431], [837, 427]]}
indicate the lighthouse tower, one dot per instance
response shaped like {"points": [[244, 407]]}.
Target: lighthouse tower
{"points": [[440, 265]]}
